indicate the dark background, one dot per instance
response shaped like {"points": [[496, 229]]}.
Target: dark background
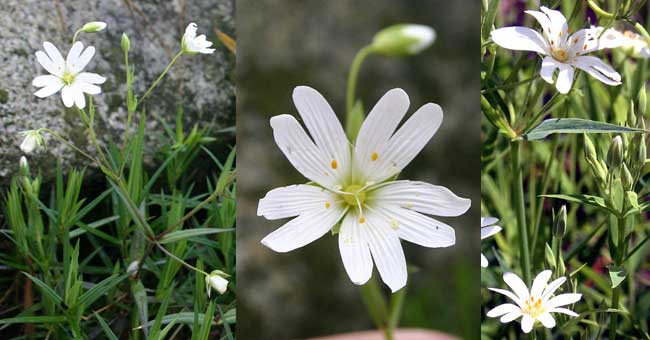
{"points": [[283, 44]]}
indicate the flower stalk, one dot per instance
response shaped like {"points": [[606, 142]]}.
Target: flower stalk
{"points": [[520, 207]]}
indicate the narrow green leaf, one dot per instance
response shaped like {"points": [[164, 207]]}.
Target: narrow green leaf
{"points": [[575, 125], [100, 289], [34, 319], [185, 234], [45, 289], [595, 201], [616, 275], [107, 330]]}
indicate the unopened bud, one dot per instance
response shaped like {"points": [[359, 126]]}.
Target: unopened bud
{"points": [[24, 166], [626, 178], [559, 227], [126, 43], [615, 153], [216, 280], [631, 115], [93, 26], [590, 150], [403, 39], [132, 269]]}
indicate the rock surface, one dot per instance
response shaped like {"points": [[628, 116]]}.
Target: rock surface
{"points": [[202, 82]]}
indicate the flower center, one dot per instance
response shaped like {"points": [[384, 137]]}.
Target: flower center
{"points": [[560, 54], [355, 195], [533, 307], [68, 78]]}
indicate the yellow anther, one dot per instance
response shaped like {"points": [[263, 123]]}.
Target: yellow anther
{"points": [[334, 164], [362, 220], [327, 205], [374, 156]]}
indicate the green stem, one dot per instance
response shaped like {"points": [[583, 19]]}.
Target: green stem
{"points": [[376, 304], [622, 221], [352, 77], [520, 209], [74, 37], [161, 76], [174, 257], [396, 307]]}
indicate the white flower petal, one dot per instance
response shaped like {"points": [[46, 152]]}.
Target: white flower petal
{"points": [[294, 200], [91, 78], [377, 130], [49, 85], [405, 144], [423, 197], [509, 294], [74, 53], [542, 19], [386, 250], [417, 228], [516, 284], [207, 50], [510, 316], [502, 310], [302, 230], [527, 323], [49, 65], [557, 24], [324, 127], [486, 221], [552, 287], [598, 69], [540, 283], [547, 320], [563, 311], [68, 95], [190, 31], [79, 97], [53, 53], [549, 65], [489, 231], [87, 87], [301, 151], [77, 64], [354, 250], [484, 261], [520, 39], [563, 300], [564, 79]]}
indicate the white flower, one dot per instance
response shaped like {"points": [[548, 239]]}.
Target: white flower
{"points": [[66, 75], [536, 305], [403, 39], [487, 230], [355, 186], [630, 42], [561, 49], [32, 140], [132, 269], [216, 281], [193, 44]]}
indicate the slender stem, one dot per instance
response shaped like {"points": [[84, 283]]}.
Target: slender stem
{"points": [[396, 307], [376, 305], [622, 222], [352, 77], [74, 37], [189, 266], [160, 77], [520, 209], [66, 142]]}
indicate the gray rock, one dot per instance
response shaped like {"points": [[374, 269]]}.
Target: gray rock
{"points": [[202, 82]]}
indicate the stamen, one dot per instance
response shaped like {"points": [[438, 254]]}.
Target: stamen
{"points": [[374, 156], [334, 164], [362, 220], [327, 205]]}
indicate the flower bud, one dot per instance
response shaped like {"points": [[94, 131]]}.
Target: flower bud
{"points": [[216, 280], [559, 227], [93, 26], [590, 150], [615, 153], [126, 43], [626, 178], [132, 269], [24, 166], [403, 40], [32, 140], [631, 115]]}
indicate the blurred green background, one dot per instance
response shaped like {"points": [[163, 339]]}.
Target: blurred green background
{"points": [[283, 44]]}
